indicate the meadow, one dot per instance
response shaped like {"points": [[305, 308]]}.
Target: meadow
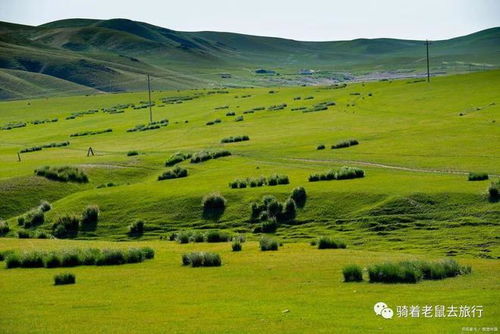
{"points": [[417, 144]]}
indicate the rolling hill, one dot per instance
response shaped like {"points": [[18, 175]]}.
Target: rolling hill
{"points": [[84, 56]]}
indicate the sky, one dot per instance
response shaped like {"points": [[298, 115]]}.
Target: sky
{"points": [[308, 20]]}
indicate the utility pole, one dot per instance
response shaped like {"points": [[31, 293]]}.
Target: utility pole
{"points": [[150, 110], [428, 71]]}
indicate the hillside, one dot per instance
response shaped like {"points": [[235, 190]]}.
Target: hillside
{"points": [[84, 56], [417, 143]]}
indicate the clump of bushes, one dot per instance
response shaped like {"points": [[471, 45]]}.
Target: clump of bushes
{"points": [[64, 278], [239, 119], [235, 139], [478, 176], [299, 195], [177, 158], [149, 126], [39, 148], [277, 107], [271, 212], [201, 259], [218, 236], [352, 273], [32, 218], [23, 234], [213, 205], [330, 243], [208, 155], [90, 133], [4, 228], [236, 245], [90, 216], [64, 174], [45, 206], [342, 173], [77, 257], [414, 271], [320, 147], [3, 254], [132, 153], [260, 181], [66, 226], [231, 113], [494, 190], [268, 244], [345, 143], [174, 173], [136, 228], [184, 237]]}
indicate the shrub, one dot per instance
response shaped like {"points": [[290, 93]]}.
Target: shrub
{"points": [[320, 147], [64, 174], [4, 228], [174, 173], [494, 190], [268, 244], [276, 179], [183, 237], [239, 119], [132, 153], [149, 253], [352, 273], [218, 236], [134, 255], [34, 217], [32, 260], [478, 176], [256, 209], [235, 139], [342, 173], [12, 260], [269, 226], [52, 260], [289, 211], [45, 206], [111, 257], [90, 215], [23, 234], [197, 237], [70, 258], [66, 227], [136, 228], [4, 254], [329, 243], [236, 246], [90, 256], [201, 259], [403, 272], [214, 206], [177, 158], [299, 195], [64, 278], [345, 143], [43, 235], [207, 155]]}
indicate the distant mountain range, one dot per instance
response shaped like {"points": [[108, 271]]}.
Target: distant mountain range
{"points": [[84, 56]]}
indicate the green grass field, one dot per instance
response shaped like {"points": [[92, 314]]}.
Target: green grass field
{"points": [[417, 143]]}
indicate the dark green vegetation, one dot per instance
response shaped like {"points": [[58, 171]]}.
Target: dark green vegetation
{"points": [[342, 173], [234, 139], [39, 148], [208, 155], [330, 243], [76, 257], [268, 244], [64, 174], [414, 271], [201, 259], [352, 273], [173, 173], [90, 133], [478, 176], [260, 181], [64, 278], [90, 56], [345, 143]]}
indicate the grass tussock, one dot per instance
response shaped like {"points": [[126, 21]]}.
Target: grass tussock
{"points": [[352, 273], [330, 243], [342, 173], [63, 174], [174, 173], [235, 139], [494, 190], [345, 143], [177, 158], [268, 244], [259, 181], [201, 259], [64, 278], [478, 176], [214, 205], [208, 155]]}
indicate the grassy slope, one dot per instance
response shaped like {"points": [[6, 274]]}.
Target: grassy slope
{"points": [[248, 294], [415, 126], [114, 55]]}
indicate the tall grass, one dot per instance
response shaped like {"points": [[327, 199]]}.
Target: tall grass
{"points": [[174, 173], [342, 173], [268, 244], [330, 243], [213, 205], [64, 174], [352, 273], [64, 278], [201, 259]]}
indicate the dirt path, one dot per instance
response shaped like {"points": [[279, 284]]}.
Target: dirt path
{"points": [[373, 164]]}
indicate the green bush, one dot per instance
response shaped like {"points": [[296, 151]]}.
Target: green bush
{"points": [[64, 174], [111, 257], [183, 237], [269, 226], [132, 153], [66, 227], [174, 173], [342, 173], [136, 228], [4, 228], [235, 139], [352, 273], [4, 254], [177, 158], [149, 253], [64, 278], [52, 260], [90, 216], [478, 176], [330, 243], [12, 260], [197, 237], [403, 272], [289, 211], [299, 195], [45, 206], [320, 147], [208, 155], [33, 218], [201, 259], [42, 235], [213, 205], [32, 260], [236, 246], [239, 119], [494, 190], [71, 258], [218, 236], [345, 143], [268, 244], [276, 179], [23, 234], [134, 255]]}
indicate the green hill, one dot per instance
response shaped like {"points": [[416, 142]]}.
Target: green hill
{"points": [[114, 55]]}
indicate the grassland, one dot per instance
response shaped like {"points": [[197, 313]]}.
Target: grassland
{"points": [[417, 144]]}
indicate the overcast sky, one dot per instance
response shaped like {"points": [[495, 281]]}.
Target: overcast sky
{"points": [[317, 20]]}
